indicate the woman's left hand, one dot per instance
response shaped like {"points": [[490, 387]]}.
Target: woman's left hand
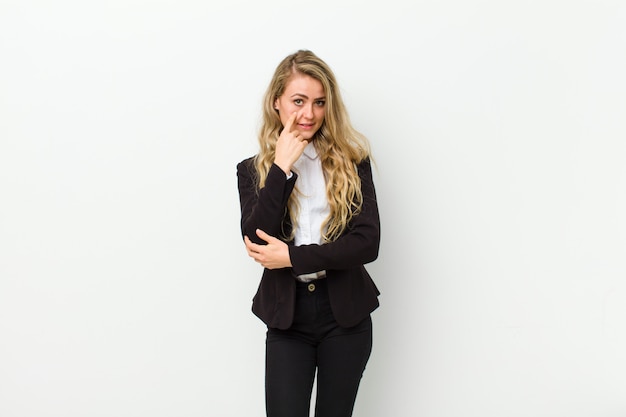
{"points": [[274, 255]]}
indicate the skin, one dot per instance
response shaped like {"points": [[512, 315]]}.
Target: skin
{"points": [[301, 109], [274, 255]]}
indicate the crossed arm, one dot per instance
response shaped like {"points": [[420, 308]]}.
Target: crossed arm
{"points": [[273, 255], [262, 216]]}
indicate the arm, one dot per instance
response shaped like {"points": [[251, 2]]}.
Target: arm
{"points": [[357, 246], [263, 209]]}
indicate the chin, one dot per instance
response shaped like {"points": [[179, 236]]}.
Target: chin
{"points": [[312, 136]]}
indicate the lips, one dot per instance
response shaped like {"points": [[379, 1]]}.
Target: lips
{"points": [[306, 126]]}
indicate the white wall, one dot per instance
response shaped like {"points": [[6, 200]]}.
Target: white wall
{"points": [[498, 128]]}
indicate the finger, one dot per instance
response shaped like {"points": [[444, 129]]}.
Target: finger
{"points": [[250, 247], [261, 234], [254, 255], [290, 121]]}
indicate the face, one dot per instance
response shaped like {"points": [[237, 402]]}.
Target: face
{"points": [[304, 95]]}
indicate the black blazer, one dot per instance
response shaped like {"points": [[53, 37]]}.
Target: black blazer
{"points": [[353, 294]]}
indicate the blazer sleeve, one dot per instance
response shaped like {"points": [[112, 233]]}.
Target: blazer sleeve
{"points": [[265, 208], [358, 245]]}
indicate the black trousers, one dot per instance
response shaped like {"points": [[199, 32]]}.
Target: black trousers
{"points": [[315, 342]]}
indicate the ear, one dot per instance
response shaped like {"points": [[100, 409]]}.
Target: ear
{"points": [[276, 104]]}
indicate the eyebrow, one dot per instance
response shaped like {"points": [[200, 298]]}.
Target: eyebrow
{"points": [[304, 96]]}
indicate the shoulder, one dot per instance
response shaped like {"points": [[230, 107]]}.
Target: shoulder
{"points": [[246, 172], [247, 165], [365, 166], [247, 162], [365, 163]]}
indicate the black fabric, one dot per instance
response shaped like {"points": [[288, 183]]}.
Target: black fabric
{"points": [[352, 293], [315, 342]]}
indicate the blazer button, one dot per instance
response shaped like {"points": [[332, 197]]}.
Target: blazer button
{"points": [[311, 287]]}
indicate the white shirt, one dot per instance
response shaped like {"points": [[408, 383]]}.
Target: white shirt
{"points": [[311, 197]]}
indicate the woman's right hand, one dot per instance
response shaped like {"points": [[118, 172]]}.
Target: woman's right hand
{"points": [[289, 147]]}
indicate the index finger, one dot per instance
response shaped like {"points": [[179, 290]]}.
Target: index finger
{"points": [[290, 121]]}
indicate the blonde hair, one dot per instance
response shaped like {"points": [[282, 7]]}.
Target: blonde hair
{"points": [[338, 144]]}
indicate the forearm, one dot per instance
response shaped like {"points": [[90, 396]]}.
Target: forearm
{"points": [[350, 250], [358, 245]]}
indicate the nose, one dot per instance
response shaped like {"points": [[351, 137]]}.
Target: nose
{"points": [[307, 112]]}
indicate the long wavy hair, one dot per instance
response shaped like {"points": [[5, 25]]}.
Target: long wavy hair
{"points": [[338, 144]]}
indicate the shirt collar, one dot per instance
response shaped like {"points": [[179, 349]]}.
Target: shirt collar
{"points": [[310, 151]]}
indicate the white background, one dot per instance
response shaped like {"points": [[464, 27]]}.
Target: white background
{"points": [[499, 132]]}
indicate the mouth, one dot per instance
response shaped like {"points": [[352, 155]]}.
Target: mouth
{"points": [[306, 126]]}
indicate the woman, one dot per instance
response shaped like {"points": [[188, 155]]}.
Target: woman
{"points": [[309, 216]]}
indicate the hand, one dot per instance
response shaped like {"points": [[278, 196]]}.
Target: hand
{"points": [[289, 146], [274, 255]]}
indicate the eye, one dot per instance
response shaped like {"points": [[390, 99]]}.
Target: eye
{"points": [[298, 102], [320, 103]]}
